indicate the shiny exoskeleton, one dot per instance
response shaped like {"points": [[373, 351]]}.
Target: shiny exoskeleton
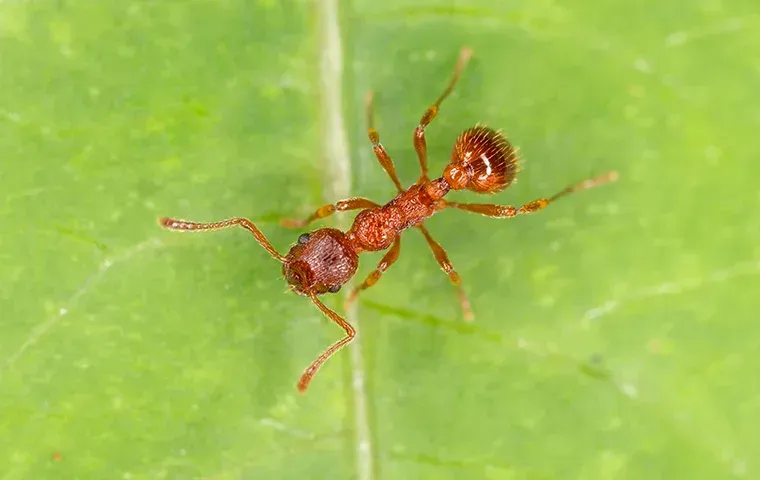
{"points": [[321, 261]]}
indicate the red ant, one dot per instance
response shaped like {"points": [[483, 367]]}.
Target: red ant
{"points": [[322, 261]]}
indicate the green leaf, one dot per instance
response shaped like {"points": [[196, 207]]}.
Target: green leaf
{"points": [[616, 332]]}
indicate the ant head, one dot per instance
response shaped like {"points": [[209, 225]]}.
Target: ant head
{"points": [[322, 261]]}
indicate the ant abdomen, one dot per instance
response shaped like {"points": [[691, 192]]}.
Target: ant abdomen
{"points": [[482, 161]]}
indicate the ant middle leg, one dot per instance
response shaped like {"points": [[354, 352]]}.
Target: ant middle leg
{"points": [[420, 144], [387, 260], [355, 203], [508, 211], [382, 156], [443, 260]]}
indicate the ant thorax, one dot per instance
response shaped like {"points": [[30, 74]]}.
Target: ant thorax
{"points": [[375, 229]]}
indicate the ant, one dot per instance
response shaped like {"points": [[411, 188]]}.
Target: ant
{"points": [[321, 261]]}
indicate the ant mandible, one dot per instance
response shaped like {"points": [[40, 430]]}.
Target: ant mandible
{"points": [[323, 260]]}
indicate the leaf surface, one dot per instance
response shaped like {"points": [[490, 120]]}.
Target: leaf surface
{"points": [[616, 331]]}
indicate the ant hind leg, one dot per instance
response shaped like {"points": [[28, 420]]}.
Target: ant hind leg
{"points": [[443, 260], [420, 144], [508, 211]]}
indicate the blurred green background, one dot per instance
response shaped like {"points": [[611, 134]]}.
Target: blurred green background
{"points": [[616, 332]]}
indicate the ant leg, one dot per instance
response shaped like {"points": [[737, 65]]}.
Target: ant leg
{"points": [[443, 260], [507, 211], [382, 156], [188, 226], [420, 145], [354, 203], [388, 260], [309, 373]]}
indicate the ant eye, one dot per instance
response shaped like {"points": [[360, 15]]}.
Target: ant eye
{"points": [[303, 238], [334, 289]]}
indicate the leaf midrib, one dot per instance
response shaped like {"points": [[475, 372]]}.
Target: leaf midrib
{"points": [[338, 186]]}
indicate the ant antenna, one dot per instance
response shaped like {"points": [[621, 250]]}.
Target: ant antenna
{"points": [[309, 373], [188, 226]]}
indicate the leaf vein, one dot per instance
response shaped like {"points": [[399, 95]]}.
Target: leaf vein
{"points": [[40, 330]]}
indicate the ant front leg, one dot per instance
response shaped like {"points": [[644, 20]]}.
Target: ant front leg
{"points": [[388, 260], [443, 260], [355, 203], [382, 156], [420, 144], [508, 211]]}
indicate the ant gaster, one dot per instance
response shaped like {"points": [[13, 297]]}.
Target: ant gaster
{"points": [[482, 161]]}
